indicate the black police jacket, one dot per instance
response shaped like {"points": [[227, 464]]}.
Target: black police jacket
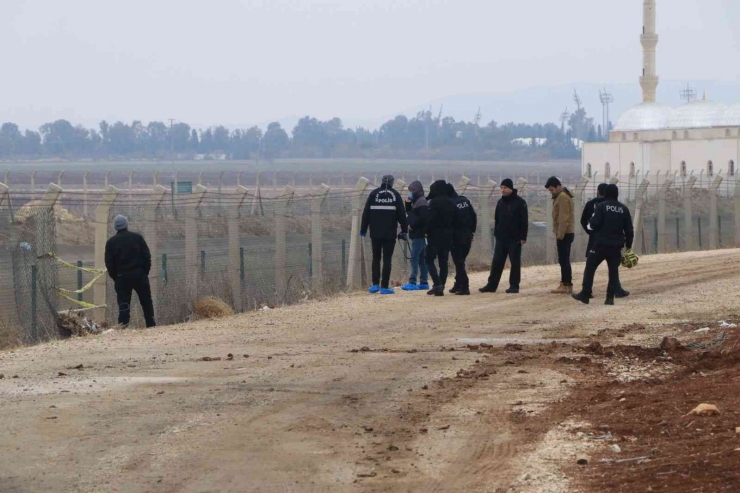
{"points": [[612, 225], [588, 211], [466, 220], [384, 211], [512, 218]]}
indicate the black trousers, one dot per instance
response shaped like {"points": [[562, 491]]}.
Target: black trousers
{"points": [[566, 272], [503, 249], [125, 285], [613, 257], [442, 255], [383, 249], [460, 252]]}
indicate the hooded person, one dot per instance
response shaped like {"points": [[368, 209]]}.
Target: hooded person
{"points": [[440, 235], [510, 232], [612, 229], [588, 212], [383, 214], [128, 261], [466, 222], [563, 223], [417, 210]]}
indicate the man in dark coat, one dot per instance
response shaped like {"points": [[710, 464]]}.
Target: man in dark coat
{"points": [[440, 235], [129, 261], [384, 212], [510, 233], [613, 230], [466, 222], [417, 208], [588, 212]]}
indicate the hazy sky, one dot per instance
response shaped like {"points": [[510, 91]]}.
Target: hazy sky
{"points": [[241, 62]]}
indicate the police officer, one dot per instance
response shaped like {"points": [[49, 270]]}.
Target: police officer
{"points": [[588, 212], [384, 212], [612, 229], [466, 222], [440, 235]]}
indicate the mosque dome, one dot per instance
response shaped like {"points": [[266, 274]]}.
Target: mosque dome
{"points": [[731, 117], [697, 114], [645, 116]]}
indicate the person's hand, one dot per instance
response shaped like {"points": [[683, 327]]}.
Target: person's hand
{"points": [[403, 236], [363, 234], [523, 242]]}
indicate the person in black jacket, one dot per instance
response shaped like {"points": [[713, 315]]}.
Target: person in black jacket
{"points": [[384, 212], [129, 261], [466, 222], [510, 233], [417, 208], [612, 227], [588, 212], [440, 235]]}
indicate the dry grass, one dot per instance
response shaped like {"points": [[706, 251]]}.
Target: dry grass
{"points": [[212, 308]]}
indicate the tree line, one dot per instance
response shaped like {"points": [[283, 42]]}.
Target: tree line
{"points": [[422, 136]]}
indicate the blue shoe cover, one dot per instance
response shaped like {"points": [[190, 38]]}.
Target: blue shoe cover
{"points": [[423, 287], [410, 287], [387, 291], [374, 289]]}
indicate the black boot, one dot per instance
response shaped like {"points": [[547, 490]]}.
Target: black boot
{"points": [[463, 292], [512, 291], [437, 291], [609, 299], [487, 289], [622, 294], [582, 297], [454, 289]]}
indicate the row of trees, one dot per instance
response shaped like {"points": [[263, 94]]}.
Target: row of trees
{"points": [[424, 135]]}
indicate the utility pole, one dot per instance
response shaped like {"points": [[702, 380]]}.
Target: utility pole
{"points": [[564, 118], [687, 94], [606, 100]]}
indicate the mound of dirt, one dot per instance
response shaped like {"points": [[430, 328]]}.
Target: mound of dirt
{"points": [[212, 308]]}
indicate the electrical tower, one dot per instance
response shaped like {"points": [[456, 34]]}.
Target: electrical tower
{"points": [[478, 116], [577, 99], [688, 94], [564, 118], [606, 100]]}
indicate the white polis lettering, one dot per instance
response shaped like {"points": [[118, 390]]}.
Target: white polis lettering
{"points": [[614, 208], [385, 200], [463, 205]]}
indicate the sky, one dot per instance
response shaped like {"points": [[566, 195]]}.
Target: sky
{"points": [[244, 62]]}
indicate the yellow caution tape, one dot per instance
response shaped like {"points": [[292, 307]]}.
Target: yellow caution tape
{"points": [[72, 266], [85, 305], [84, 288]]}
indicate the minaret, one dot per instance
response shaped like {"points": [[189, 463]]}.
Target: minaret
{"points": [[649, 40]]}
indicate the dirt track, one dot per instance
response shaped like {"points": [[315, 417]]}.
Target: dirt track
{"points": [[305, 413]]}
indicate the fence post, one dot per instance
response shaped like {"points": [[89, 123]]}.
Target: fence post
{"points": [[736, 200], [462, 185], [257, 202], [192, 272], [485, 233], [202, 263], [236, 253], [688, 215], [165, 277], [638, 220], [354, 267], [33, 184], [150, 233], [155, 178], [84, 197], [131, 188], [661, 227], [309, 266], [79, 279], [577, 212], [5, 198], [59, 179], [34, 304], [101, 237], [343, 274], [280, 245], [714, 212], [317, 240], [678, 234], [107, 179]]}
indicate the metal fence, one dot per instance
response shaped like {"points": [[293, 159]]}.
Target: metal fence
{"points": [[253, 249]]}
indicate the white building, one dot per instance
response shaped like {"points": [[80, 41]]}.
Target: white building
{"points": [[654, 141]]}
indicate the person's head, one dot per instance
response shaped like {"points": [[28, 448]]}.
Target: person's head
{"points": [[554, 185], [611, 192], [387, 181], [438, 189], [416, 190], [507, 187], [451, 190], [120, 223], [601, 189]]}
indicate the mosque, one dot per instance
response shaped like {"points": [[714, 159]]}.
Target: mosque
{"points": [[657, 142]]}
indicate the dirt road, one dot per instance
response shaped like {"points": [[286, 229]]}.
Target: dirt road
{"points": [[353, 394]]}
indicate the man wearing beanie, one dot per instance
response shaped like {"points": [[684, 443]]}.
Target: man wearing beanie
{"points": [[384, 212], [612, 228], [563, 223], [129, 261], [510, 232]]}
